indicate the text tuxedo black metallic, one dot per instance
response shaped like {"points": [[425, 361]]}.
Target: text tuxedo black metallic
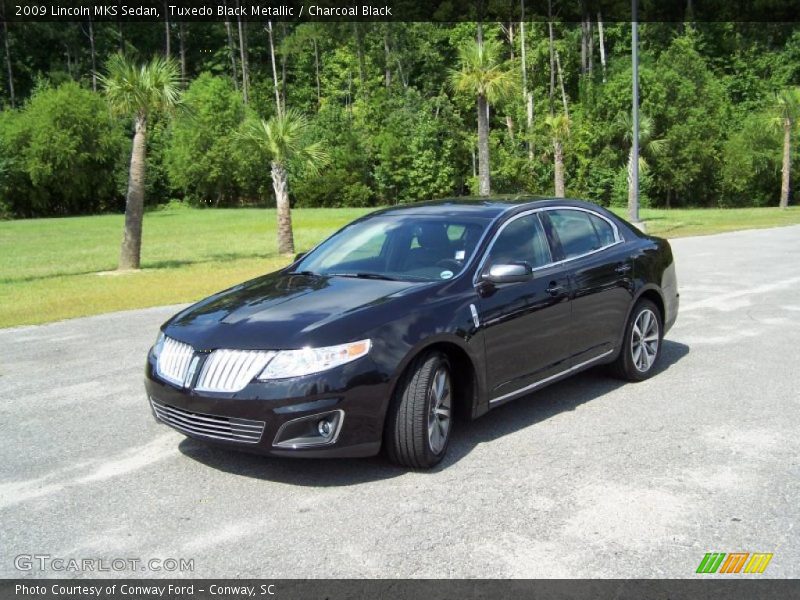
{"points": [[408, 317]]}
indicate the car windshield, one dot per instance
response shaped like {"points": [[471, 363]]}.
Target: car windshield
{"points": [[408, 248]]}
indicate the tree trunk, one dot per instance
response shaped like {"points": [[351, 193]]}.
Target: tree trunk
{"points": [[558, 163], [284, 58], [584, 47], [362, 66], [243, 58], [182, 50], [130, 252], [631, 192], [590, 42], [484, 178], [786, 170], [387, 57], [400, 73], [281, 186], [527, 97], [231, 51], [602, 44], [278, 105], [561, 83], [529, 115], [93, 53], [551, 35], [316, 70], [167, 41], [9, 69], [474, 163], [69, 60], [510, 127]]}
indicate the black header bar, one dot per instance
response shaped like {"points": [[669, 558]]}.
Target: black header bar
{"points": [[401, 10]]}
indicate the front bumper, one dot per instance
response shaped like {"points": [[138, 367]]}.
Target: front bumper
{"points": [[251, 419]]}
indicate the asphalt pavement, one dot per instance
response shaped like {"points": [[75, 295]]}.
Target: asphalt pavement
{"points": [[590, 477]]}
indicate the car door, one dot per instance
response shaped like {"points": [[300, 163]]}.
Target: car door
{"points": [[600, 273], [526, 324]]}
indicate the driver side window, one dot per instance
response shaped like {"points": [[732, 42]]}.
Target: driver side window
{"points": [[521, 241]]}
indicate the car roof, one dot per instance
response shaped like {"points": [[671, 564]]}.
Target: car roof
{"points": [[485, 207]]}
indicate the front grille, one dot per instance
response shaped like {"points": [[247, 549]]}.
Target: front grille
{"points": [[231, 370], [211, 426], [174, 360]]}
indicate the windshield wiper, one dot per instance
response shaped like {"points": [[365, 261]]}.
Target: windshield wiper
{"points": [[308, 273], [364, 276]]}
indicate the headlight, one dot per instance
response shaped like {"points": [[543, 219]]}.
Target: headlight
{"points": [[295, 363], [159, 344]]}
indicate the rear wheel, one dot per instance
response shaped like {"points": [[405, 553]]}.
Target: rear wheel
{"points": [[641, 345], [420, 419]]}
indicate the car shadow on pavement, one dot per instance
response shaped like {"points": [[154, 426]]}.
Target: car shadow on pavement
{"points": [[509, 418], [541, 405]]}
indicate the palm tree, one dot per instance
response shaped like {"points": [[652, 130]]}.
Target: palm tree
{"points": [[283, 139], [559, 130], [138, 91], [788, 113], [482, 74], [647, 147]]}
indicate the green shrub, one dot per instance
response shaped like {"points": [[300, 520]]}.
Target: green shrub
{"points": [[61, 154]]}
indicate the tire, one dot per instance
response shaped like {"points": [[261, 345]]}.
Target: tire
{"points": [[420, 418], [636, 360]]}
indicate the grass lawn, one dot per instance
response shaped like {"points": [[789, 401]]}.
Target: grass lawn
{"points": [[52, 269]]}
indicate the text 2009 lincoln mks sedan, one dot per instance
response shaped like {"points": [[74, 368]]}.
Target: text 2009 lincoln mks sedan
{"points": [[410, 317]]}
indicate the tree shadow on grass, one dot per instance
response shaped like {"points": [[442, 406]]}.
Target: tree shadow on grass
{"points": [[514, 416], [220, 257]]}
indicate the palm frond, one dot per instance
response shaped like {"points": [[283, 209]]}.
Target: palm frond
{"points": [[141, 89], [481, 72], [284, 138]]}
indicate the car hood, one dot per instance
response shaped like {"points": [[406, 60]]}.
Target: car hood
{"points": [[284, 311]]}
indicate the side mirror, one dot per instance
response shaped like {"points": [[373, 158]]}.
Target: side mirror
{"points": [[510, 273], [299, 255]]}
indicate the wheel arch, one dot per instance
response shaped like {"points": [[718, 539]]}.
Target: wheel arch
{"points": [[648, 292], [467, 388], [655, 296]]}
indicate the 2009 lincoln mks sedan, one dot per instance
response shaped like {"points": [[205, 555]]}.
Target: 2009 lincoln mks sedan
{"points": [[409, 317]]}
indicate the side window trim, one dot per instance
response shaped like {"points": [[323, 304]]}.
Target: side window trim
{"points": [[485, 256], [618, 239]]}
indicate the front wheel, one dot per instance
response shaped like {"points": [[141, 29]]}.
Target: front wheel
{"points": [[420, 418], [641, 345]]}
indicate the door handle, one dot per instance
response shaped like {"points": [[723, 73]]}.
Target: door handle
{"points": [[622, 268], [554, 289]]}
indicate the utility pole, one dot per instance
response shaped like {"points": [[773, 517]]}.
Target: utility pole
{"points": [[633, 210]]}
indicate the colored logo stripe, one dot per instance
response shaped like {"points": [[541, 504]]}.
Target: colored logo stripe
{"points": [[734, 562], [711, 562], [758, 563]]}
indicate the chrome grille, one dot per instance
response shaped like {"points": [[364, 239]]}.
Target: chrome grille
{"points": [[212, 426], [174, 360], [231, 370]]}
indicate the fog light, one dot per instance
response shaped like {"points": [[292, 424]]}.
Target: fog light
{"points": [[324, 428], [321, 429]]}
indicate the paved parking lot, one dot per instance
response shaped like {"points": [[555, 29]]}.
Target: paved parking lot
{"points": [[587, 478]]}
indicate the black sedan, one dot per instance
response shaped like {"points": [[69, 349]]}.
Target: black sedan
{"points": [[408, 318]]}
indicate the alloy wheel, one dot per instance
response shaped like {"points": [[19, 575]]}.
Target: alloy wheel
{"points": [[644, 340], [439, 411]]}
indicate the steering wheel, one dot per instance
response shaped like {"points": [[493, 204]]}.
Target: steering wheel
{"points": [[449, 263]]}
